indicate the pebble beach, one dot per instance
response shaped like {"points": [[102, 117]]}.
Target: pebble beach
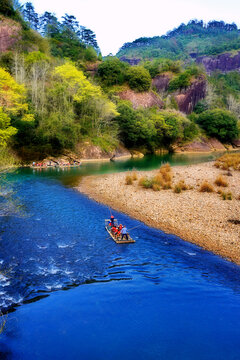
{"points": [[201, 218]]}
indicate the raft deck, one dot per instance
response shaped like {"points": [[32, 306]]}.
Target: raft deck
{"points": [[118, 240]]}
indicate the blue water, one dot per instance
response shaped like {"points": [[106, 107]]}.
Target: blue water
{"points": [[72, 293]]}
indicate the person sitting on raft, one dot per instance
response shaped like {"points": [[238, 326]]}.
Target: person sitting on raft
{"points": [[119, 230], [124, 233], [114, 230]]}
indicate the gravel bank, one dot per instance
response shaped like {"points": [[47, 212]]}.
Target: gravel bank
{"points": [[201, 218]]}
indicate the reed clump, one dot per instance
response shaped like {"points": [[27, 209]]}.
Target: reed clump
{"points": [[226, 196], [134, 176], [166, 172], [228, 161], [220, 181], [206, 187], [145, 182], [162, 180], [180, 186], [128, 180]]}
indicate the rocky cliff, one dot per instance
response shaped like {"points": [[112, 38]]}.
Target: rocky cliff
{"points": [[144, 99], [201, 145], [223, 62], [10, 34], [160, 82], [187, 99]]}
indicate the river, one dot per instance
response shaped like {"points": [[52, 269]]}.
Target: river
{"points": [[72, 293]]}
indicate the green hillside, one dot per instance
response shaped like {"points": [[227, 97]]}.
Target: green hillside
{"points": [[57, 94], [192, 39]]}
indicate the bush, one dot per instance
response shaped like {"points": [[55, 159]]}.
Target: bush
{"points": [[112, 71], [219, 123], [206, 187], [220, 181], [139, 78]]}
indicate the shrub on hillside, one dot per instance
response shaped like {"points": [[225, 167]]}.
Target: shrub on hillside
{"points": [[219, 123], [139, 78], [112, 71]]}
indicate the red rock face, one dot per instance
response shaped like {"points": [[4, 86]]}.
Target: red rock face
{"points": [[223, 62], [187, 99], [144, 99], [9, 34], [161, 82], [202, 145], [236, 143]]}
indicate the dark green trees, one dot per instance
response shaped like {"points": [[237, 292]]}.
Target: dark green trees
{"points": [[219, 123], [139, 78], [112, 71]]}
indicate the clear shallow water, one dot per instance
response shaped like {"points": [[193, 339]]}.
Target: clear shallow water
{"points": [[160, 298]]}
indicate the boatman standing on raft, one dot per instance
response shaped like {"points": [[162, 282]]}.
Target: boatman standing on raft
{"points": [[112, 220], [124, 233]]}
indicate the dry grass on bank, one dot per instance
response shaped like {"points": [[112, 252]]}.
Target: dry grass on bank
{"points": [[228, 161], [220, 181]]}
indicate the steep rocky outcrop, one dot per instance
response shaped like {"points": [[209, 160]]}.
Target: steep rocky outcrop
{"points": [[187, 99], [88, 151], [131, 61], [236, 143], [201, 145], [160, 82], [223, 62], [144, 99], [10, 34]]}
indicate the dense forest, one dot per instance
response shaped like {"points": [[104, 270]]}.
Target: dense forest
{"points": [[57, 92]]}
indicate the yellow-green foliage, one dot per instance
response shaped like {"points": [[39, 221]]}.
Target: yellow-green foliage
{"points": [[7, 158], [76, 82], [6, 130], [206, 187], [12, 103], [12, 95], [220, 181], [228, 161]]}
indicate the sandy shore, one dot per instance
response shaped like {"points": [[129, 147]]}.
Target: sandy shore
{"points": [[201, 218]]}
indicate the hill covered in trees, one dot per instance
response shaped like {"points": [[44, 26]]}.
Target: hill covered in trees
{"points": [[186, 41], [57, 94]]}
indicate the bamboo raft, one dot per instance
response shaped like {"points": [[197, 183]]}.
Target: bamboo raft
{"points": [[117, 239]]}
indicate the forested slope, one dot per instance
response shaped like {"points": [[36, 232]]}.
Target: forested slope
{"points": [[58, 95]]}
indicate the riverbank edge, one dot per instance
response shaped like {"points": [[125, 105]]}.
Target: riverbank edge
{"points": [[89, 188]]}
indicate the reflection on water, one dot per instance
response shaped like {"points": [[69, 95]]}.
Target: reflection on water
{"points": [[72, 176]]}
